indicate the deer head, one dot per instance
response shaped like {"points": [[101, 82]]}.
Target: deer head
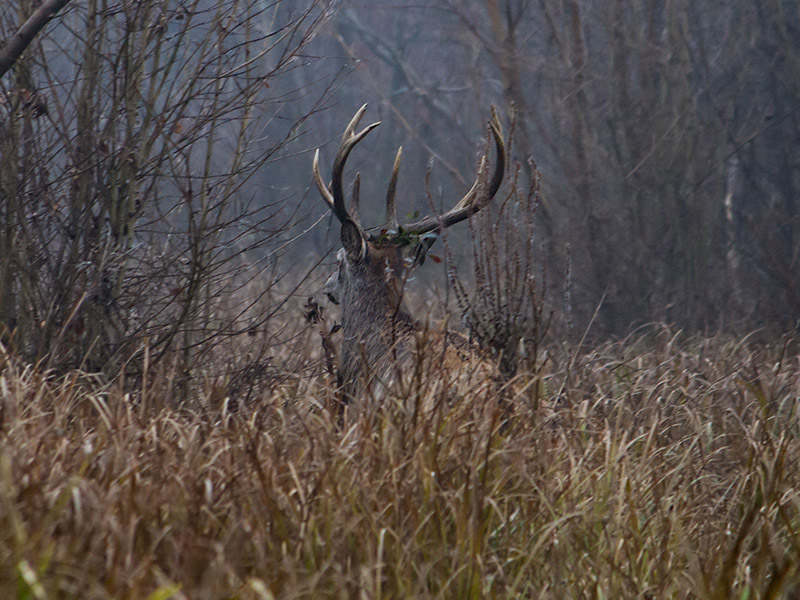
{"points": [[371, 268]]}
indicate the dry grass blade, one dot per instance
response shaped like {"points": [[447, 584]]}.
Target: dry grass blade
{"points": [[666, 476]]}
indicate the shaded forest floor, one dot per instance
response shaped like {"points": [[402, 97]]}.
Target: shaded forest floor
{"points": [[657, 467]]}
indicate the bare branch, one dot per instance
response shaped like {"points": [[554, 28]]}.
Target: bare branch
{"points": [[22, 39]]}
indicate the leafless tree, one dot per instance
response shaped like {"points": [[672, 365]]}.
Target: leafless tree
{"points": [[138, 140], [15, 46]]}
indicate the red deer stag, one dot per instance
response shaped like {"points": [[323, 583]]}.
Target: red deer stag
{"points": [[378, 331]]}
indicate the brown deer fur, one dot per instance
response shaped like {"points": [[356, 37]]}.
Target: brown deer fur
{"points": [[380, 337]]}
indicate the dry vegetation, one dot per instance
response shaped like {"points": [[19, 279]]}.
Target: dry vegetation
{"points": [[659, 467], [153, 171]]}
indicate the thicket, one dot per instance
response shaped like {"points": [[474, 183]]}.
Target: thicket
{"points": [[154, 175], [659, 467], [133, 227]]}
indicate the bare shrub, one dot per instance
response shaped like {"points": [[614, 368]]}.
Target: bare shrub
{"points": [[137, 140], [505, 312]]}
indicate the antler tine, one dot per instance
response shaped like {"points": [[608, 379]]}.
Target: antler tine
{"points": [[349, 141], [324, 191], [351, 126], [500, 168], [467, 199], [354, 202], [472, 202], [391, 211]]}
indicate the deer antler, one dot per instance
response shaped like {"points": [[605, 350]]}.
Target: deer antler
{"points": [[353, 237], [334, 196], [391, 211], [324, 191], [476, 198], [349, 141]]}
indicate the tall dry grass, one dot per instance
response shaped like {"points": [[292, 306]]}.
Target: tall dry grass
{"points": [[657, 467]]}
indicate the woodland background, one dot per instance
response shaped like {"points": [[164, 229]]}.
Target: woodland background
{"points": [[155, 160], [168, 427]]}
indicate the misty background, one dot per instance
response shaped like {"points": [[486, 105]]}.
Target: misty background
{"points": [[667, 134], [155, 159]]}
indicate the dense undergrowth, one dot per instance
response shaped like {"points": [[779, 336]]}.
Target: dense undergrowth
{"points": [[657, 467]]}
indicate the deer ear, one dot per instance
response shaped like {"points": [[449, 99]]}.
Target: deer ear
{"points": [[353, 241]]}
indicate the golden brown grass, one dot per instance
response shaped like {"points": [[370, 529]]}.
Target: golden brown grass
{"points": [[650, 468]]}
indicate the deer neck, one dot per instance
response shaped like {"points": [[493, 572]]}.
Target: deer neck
{"points": [[372, 309], [374, 320]]}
